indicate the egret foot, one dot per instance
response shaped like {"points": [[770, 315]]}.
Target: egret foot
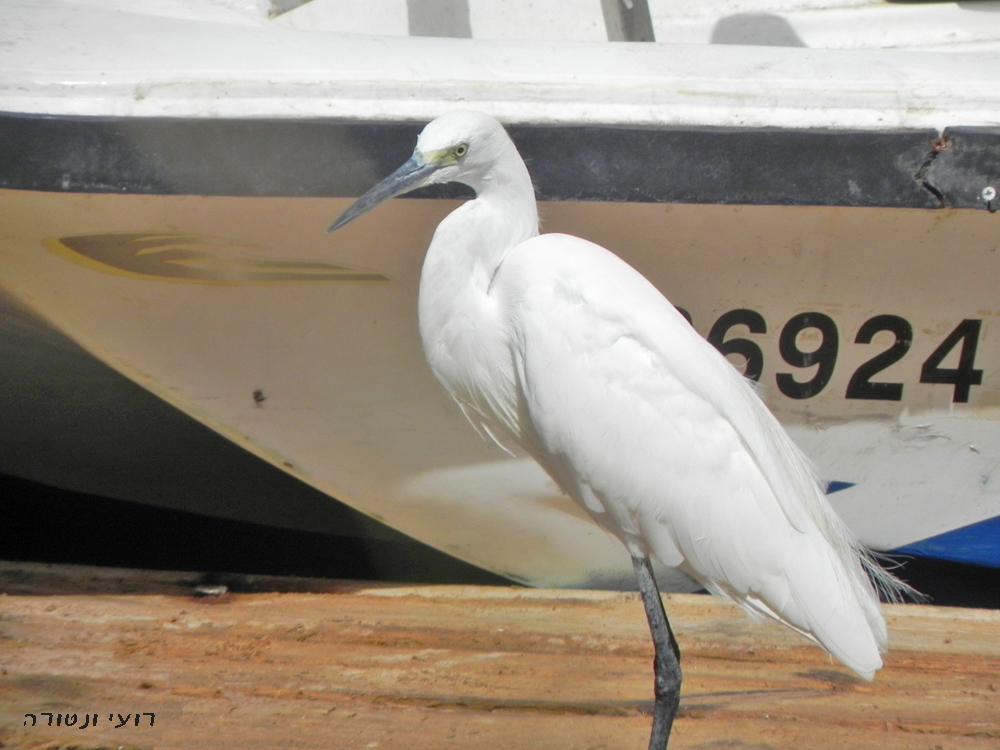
{"points": [[666, 658]]}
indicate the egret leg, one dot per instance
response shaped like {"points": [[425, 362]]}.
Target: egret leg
{"points": [[666, 659]]}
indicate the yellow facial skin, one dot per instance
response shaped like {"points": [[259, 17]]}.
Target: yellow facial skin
{"points": [[447, 157]]}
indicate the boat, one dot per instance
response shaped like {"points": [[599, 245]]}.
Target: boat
{"points": [[825, 216]]}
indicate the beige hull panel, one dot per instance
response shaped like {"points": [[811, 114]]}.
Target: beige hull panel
{"points": [[285, 340]]}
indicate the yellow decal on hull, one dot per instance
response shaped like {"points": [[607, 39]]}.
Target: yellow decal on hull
{"points": [[167, 256]]}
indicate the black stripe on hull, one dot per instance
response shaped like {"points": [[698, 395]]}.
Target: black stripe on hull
{"points": [[336, 158]]}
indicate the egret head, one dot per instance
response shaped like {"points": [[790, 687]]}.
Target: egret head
{"points": [[460, 146]]}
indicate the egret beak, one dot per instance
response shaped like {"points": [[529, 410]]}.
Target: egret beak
{"points": [[408, 177]]}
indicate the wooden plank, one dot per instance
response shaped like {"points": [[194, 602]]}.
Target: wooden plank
{"points": [[298, 663]]}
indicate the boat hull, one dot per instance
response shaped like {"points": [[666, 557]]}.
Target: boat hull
{"points": [[303, 349], [823, 215]]}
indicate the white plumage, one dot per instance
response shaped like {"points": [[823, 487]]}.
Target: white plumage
{"points": [[560, 345]]}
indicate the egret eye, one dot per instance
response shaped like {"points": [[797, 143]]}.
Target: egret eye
{"points": [[461, 150]]}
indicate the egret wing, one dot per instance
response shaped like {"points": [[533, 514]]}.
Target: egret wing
{"points": [[647, 426]]}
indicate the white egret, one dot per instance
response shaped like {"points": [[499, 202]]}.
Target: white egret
{"points": [[560, 345]]}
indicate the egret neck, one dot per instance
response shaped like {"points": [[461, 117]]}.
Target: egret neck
{"points": [[459, 325]]}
